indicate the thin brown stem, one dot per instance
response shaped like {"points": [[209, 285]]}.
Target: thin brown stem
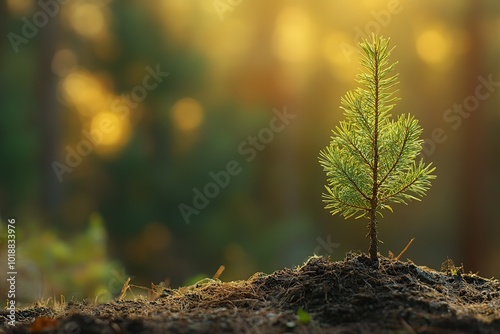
{"points": [[404, 250], [372, 233], [372, 226]]}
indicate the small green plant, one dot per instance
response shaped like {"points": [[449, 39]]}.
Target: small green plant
{"points": [[449, 267], [370, 161], [303, 317]]}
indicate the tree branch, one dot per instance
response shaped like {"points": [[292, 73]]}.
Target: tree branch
{"points": [[407, 134]]}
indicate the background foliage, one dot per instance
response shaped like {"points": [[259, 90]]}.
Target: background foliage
{"points": [[227, 71]]}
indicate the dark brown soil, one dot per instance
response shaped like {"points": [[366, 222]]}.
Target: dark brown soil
{"points": [[349, 296]]}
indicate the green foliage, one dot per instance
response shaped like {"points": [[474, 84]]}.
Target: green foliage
{"points": [[77, 267], [370, 161], [303, 317]]}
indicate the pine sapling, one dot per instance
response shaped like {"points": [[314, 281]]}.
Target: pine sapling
{"points": [[371, 159]]}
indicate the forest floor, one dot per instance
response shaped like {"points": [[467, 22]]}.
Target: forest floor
{"points": [[349, 296]]}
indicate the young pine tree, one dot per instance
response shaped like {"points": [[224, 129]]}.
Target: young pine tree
{"points": [[370, 161]]}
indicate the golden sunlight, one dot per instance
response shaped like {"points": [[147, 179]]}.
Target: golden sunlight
{"points": [[293, 36], [114, 130], [85, 92], [341, 53], [176, 17], [88, 20], [18, 8], [187, 114], [433, 46]]}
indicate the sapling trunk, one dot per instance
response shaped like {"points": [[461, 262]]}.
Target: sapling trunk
{"points": [[373, 249], [372, 233]]}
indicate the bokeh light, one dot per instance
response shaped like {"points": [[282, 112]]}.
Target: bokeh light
{"points": [[112, 129], [294, 35], [433, 46], [187, 114], [176, 17], [85, 92], [87, 19], [19, 8], [341, 55], [64, 62]]}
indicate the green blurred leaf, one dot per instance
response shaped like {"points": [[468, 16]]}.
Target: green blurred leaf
{"points": [[303, 317]]}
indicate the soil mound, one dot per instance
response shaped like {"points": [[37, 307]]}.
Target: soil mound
{"points": [[349, 296]]}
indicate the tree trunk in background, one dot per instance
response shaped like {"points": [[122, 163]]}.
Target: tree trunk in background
{"points": [[48, 121], [3, 25], [474, 160], [282, 87]]}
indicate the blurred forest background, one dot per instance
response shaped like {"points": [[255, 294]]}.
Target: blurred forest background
{"points": [[80, 69]]}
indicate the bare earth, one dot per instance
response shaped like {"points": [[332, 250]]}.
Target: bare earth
{"points": [[349, 296]]}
